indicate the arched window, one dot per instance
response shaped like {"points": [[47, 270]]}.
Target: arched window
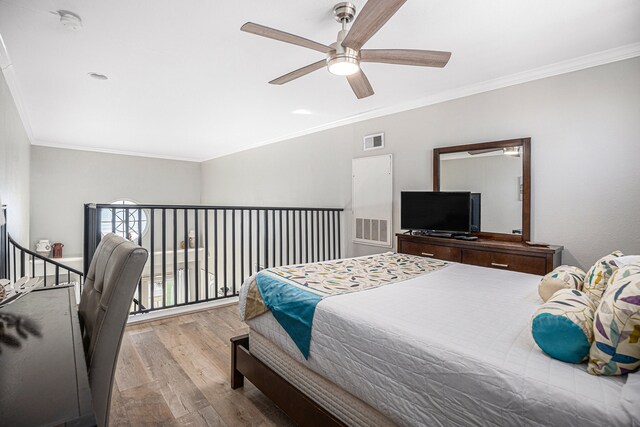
{"points": [[115, 220]]}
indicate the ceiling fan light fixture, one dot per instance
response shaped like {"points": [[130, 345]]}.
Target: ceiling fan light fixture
{"points": [[343, 63], [343, 66]]}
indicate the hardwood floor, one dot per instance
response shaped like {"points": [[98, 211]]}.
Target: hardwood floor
{"points": [[175, 371]]}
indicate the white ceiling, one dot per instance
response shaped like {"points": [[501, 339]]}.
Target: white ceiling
{"points": [[185, 82]]}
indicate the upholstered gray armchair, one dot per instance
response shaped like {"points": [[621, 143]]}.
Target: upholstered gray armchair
{"points": [[104, 307]]}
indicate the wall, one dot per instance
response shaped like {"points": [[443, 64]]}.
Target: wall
{"points": [[62, 181], [14, 166], [585, 149], [496, 178]]}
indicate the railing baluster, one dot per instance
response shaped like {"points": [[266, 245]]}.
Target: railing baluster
{"points": [[164, 257], [299, 237], [306, 236], [335, 240], [273, 237], [175, 256], [152, 255], [313, 232], [250, 242], [15, 269], [186, 255], [215, 251], [324, 253], [57, 275], [139, 211], [286, 227], [281, 235], [241, 248], [266, 238], [22, 264], [224, 251], [206, 254], [293, 237], [258, 240], [339, 239], [44, 264], [233, 251], [317, 215], [197, 254]]}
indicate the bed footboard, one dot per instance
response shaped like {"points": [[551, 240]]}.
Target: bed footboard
{"points": [[298, 406]]}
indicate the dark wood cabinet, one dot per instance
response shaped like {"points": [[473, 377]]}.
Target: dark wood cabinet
{"points": [[513, 256]]}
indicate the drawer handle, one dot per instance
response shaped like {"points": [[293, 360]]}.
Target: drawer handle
{"points": [[495, 264], [426, 254]]}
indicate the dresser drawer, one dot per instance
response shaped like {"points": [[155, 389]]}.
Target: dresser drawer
{"points": [[445, 253], [505, 261]]}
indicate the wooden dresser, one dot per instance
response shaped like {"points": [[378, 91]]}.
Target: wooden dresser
{"points": [[484, 252]]}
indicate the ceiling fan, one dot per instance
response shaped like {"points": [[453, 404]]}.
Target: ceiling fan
{"points": [[345, 55]]}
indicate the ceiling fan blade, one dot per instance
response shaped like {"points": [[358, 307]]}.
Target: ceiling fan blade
{"points": [[360, 85], [371, 18], [271, 33], [424, 58], [299, 72]]}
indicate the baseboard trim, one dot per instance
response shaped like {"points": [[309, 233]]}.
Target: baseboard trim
{"points": [[179, 311]]}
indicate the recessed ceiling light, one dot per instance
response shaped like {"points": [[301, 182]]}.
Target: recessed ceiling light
{"points": [[70, 20], [98, 76], [301, 111]]}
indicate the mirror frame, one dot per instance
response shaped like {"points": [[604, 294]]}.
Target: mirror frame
{"points": [[525, 143]]}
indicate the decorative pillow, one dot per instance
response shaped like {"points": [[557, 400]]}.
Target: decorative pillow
{"points": [[563, 326], [563, 277], [597, 277], [626, 260], [616, 348]]}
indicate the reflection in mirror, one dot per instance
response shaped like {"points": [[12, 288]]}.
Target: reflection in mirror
{"points": [[494, 177]]}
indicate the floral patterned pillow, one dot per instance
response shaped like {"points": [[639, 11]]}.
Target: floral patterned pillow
{"points": [[598, 276], [616, 348], [563, 277]]}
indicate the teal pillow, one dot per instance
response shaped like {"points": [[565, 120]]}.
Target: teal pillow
{"points": [[563, 326]]}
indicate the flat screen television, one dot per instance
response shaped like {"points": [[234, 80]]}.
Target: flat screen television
{"points": [[443, 211]]}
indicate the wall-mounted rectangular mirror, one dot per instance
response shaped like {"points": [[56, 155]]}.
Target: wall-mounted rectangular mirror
{"points": [[498, 174]]}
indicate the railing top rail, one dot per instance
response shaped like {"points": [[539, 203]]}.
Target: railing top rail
{"points": [[203, 207], [43, 258]]}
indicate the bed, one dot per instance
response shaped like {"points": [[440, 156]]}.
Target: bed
{"points": [[448, 347]]}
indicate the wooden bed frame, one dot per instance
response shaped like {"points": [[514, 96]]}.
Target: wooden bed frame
{"points": [[299, 407]]}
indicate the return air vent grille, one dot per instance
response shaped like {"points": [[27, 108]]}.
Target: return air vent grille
{"points": [[371, 229], [373, 142]]}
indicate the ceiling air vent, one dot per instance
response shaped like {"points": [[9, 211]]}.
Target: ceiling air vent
{"points": [[373, 142]]}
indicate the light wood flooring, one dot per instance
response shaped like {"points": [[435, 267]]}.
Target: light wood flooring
{"points": [[175, 371]]}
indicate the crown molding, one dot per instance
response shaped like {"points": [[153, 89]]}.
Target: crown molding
{"points": [[48, 144], [558, 68], [14, 89]]}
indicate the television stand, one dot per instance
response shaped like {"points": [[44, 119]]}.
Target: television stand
{"points": [[514, 256]]}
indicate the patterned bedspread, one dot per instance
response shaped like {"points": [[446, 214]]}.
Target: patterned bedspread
{"points": [[292, 292]]}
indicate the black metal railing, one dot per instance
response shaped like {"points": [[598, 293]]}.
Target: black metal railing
{"points": [[22, 262], [203, 253]]}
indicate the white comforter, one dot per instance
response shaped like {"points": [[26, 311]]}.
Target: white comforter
{"points": [[454, 347]]}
